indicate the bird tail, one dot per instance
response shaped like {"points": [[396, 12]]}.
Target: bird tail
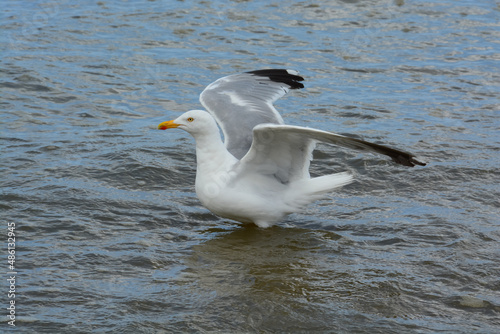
{"points": [[306, 191]]}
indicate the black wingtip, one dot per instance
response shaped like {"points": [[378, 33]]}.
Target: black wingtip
{"points": [[416, 162], [288, 77], [407, 160]]}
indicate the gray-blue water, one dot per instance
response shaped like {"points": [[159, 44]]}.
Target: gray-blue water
{"points": [[110, 236]]}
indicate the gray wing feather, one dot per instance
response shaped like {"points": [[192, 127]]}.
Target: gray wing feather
{"points": [[284, 151], [284, 155], [239, 102]]}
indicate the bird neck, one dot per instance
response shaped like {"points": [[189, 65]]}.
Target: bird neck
{"points": [[211, 153]]}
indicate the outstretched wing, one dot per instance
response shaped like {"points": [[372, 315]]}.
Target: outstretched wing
{"points": [[279, 151], [239, 102], [284, 151]]}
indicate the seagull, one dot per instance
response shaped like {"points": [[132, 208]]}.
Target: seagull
{"points": [[260, 172]]}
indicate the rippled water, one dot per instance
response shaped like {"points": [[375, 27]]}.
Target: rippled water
{"points": [[110, 236]]}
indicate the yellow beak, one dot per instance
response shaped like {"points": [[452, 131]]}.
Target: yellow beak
{"points": [[167, 125]]}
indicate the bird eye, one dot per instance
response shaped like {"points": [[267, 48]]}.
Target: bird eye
{"points": [[190, 119]]}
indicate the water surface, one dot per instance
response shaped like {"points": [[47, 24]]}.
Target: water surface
{"points": [[111, 237]]}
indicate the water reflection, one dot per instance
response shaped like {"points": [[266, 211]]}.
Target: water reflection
{"points": [[279, 278], [260, 259], [256, 276], [295, 278]]}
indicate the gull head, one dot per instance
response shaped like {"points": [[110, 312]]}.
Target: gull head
{"points": [[194, 121]]}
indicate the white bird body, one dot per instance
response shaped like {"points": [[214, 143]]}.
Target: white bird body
{"points": [[260, 173], [233, 188]]}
